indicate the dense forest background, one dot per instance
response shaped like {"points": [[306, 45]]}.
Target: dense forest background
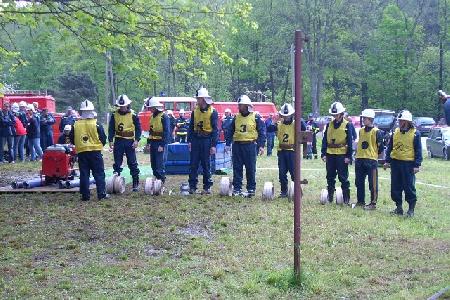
{"points": [[365, 53]]}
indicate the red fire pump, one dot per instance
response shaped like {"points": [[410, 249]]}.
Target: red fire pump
{"points": [[58, 163]]}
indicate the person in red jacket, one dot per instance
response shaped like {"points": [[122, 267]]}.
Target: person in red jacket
{"points": [[21, 132]]}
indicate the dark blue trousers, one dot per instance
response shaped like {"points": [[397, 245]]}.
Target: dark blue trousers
{"points": [[200, 148], [314, 144], [121, 147], [270, 142], [286, 163], [366, 167], [157, 161], [244, 154], [403, 179], [46, 139], [91, 161], [336, 166], [10, 141]]}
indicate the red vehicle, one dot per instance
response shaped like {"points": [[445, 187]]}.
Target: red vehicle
{"points": [[189, 103], [42, 98]]}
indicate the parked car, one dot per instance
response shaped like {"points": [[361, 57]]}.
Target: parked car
{"points": [[424, 125], [438, 143], [322, 121], [386, 121]]}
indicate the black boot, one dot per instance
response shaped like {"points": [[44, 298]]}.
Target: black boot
{"points": [[346, 196], [398, 210], [330, 195], [410, 212], [135, 184]]}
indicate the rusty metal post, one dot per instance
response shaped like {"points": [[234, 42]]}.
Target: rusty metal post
{"points": [[298, 144]]}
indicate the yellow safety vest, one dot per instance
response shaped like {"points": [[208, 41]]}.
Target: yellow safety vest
{"points": [[286, 136], [202, 121], [403, 145], [156, 131], [86, 136], [180, 129], [367, 144], [245, 128], [124, 125], [337, 138]]}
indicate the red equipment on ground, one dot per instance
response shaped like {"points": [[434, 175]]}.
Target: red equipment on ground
{"points": [[58, 163]]}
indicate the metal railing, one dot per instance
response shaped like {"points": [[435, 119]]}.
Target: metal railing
{"points": [[26, 92]]}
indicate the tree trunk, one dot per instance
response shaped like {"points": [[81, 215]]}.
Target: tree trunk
{"points": [[286, 83], [272, 84], [364, 96], [335, 85], [314, 93], [109, 82]]}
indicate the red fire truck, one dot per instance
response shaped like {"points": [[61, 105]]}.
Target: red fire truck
{"points": [[189, 103], [41, 97]]}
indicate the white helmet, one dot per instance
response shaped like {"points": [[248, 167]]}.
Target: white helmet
{"points": [[244, 99], [30, 107], [336, 108], [153, 102], [227, 110], [123, 100], [286, 110], [405, 115], [368, 113], [181, 111], [203, 93], [441, 93], [15, 107], [86, 105], [169, 112], [22, 104], [68, 127]]}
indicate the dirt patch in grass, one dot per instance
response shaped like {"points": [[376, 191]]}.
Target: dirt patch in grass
{"points": [[196, 230]]}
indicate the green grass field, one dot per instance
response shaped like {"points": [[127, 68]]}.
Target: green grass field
{"points": [[172, 247]]}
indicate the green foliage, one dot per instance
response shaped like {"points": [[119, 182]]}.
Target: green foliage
{"points": [[234, 47]]}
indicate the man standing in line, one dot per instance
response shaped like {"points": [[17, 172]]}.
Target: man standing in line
{"points": [[202, 140], [124, 133], [337, 151], [404, 157], [89, 137], [159, 137], [247, 132]]}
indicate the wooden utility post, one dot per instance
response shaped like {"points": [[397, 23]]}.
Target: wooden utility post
{"points": [[299, 38]]}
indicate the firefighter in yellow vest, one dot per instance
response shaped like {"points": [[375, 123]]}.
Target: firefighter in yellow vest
{"points": [[370, 145], [285, 133], [404, 157], [337, 151], [202, 140], [124, 133], [181, 127], [89, 138], [159, 136], [248, 133], [64, 138]]}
